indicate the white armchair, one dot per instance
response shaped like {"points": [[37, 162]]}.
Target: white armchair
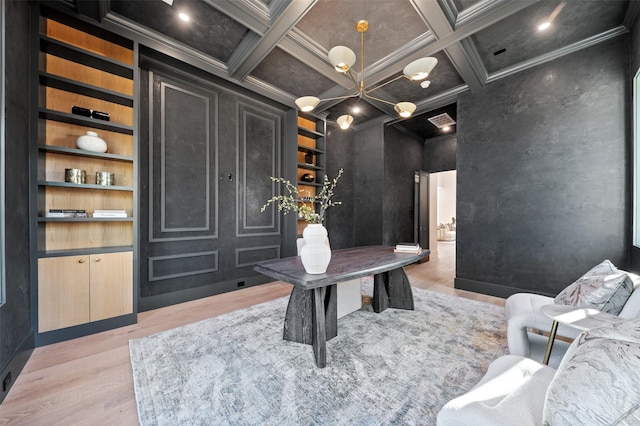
{"points": [[524, 317], [596, 384]]}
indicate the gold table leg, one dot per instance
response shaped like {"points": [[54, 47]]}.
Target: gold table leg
{"points": [[552, 337]]}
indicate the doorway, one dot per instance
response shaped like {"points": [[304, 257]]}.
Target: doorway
{"points": [[445, 211]]}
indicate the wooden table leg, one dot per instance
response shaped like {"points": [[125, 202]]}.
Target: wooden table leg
{"points": [[552, 337], [392, 290], [319, 328], [312, 318]]}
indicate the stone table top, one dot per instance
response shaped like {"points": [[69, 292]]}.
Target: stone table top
{"points": [[579, 318]]}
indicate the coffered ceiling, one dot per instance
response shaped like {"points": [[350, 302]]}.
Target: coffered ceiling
{"points": [[278, 48]]}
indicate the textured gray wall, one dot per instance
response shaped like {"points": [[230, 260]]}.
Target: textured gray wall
{"points": [[440, 154], [402, 157], [340, 155], [635, 48], [368, 166], [15, 320], [543, 173]]}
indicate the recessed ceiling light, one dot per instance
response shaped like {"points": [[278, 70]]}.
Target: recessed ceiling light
{"points": [[355, 109], [184, 17], [425, 84], [446, 128], [544, 26]]}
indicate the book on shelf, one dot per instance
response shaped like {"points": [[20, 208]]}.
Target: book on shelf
{"points": [[408, 248], [109, 213], [66, 213]]}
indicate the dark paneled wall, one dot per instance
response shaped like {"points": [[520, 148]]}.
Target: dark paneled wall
{"points": [[206, 156], [340, 219], [16, 335], [368, 166], [440, 154], [543, 173], [402, 157]]}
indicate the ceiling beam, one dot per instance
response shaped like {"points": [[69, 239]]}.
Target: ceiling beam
{"points": [[246, 13], [254, 48]]}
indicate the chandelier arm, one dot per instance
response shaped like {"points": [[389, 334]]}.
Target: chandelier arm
{"points": [[388, 82], [355, 95], [366, 95]]}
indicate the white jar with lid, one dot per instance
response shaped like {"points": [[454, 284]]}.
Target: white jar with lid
{"points": [[91, 142]]}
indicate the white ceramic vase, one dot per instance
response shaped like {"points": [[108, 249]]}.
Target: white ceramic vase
{"points": [[91, 142], [316, 253]]}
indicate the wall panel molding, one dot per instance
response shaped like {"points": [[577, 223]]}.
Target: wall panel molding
{"points": [[169, 263], [258, 158], [183, 199], [251, 256]]}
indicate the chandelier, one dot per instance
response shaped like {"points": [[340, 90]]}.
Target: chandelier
{"points": [[342, 58]]}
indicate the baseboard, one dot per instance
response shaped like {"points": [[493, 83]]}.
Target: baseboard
{"points": [[490, 288], [16, 363], [173, 298]]}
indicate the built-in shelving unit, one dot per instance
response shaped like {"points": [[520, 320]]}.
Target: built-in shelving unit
{"points": [[85, 265], [311, 158]]}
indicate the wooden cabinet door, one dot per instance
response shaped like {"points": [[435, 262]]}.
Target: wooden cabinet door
{"points": [[111, 285], [63, 292]]}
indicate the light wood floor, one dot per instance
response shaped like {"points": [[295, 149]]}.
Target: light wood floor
{"points": [[88, 381]]}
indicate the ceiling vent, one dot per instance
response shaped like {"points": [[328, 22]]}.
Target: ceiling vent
{"points": [[442, 120]]}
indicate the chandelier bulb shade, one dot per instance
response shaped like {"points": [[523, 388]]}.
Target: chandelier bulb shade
{"points": [[420, 68], [344, 121], [342, 58], [307, 103], [405, 109]]}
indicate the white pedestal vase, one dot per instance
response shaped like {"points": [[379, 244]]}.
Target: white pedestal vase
{"points": [[316, 253]]}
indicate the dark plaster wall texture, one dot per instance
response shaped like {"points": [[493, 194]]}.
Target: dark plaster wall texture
{"points": [[403, 155], [544, 173], [15, 314], [440, 154], [368, 166], [340, 218]]}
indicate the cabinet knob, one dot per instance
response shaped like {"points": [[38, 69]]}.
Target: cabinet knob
{"points": [[97, 259], [81, 261]]}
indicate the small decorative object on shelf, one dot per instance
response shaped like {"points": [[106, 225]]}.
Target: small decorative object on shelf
{"points": [[75, 176], [104, 178], [307, 177], [91, 142], [308, 158], [85, 112], [101, 115]]}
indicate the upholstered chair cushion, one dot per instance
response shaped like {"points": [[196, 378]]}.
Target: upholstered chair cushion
{"points": [[597, 382], [604, 288], [512, 392]]}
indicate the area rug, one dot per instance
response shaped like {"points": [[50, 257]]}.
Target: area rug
{"points": [[396, 367]]}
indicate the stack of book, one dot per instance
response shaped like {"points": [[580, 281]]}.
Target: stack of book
{"points": [[109, 213], [66, 213], [408, 248]]}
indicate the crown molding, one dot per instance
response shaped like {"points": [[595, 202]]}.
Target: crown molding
{"points": [[250, 14]]}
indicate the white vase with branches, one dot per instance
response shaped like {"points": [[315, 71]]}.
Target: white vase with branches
{"points": [[316, 252]]}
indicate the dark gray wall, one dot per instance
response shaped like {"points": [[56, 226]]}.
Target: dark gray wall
{"points": [[543, 173], [440, 154], [368, 166], [402, 157], [16, 334], [339, 220], [384, 163]]}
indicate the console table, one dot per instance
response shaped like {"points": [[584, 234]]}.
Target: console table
{"points": [[311, 316]]}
